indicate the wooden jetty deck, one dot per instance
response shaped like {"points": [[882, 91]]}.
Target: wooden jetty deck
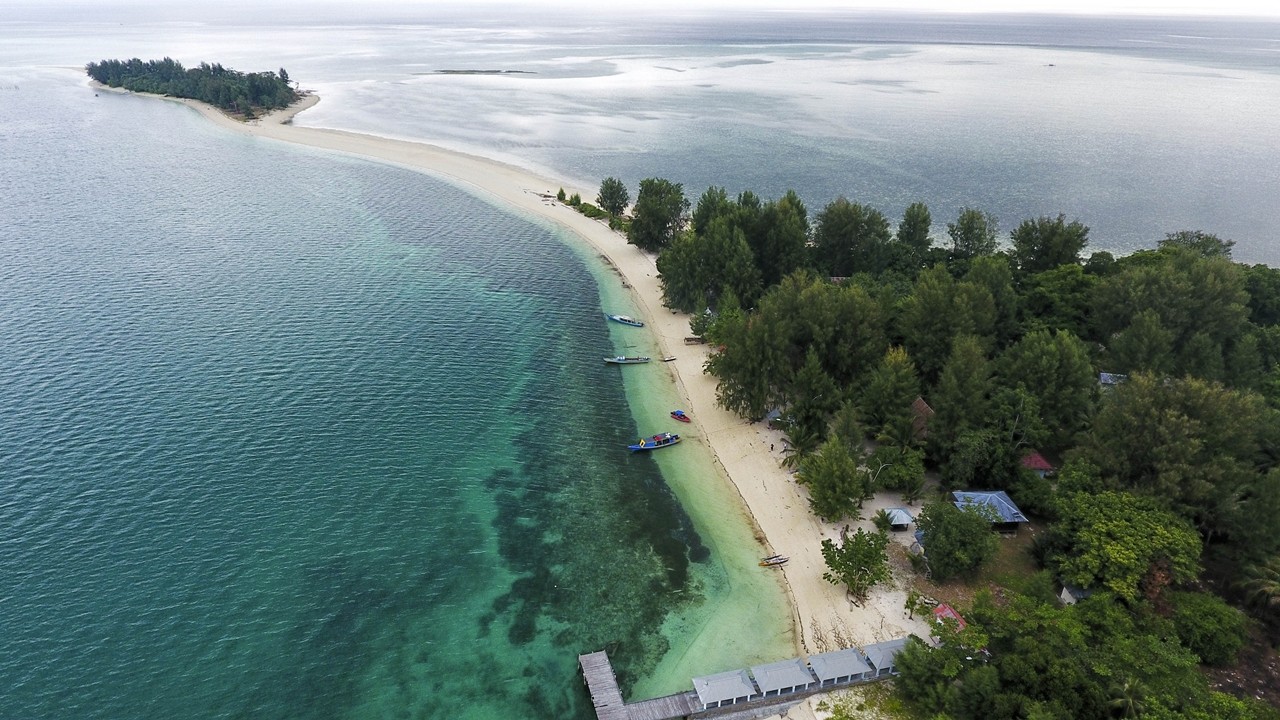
{"points": [[597, 671], [665, 708]]}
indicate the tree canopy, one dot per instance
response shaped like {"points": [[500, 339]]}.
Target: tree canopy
{"points": [[956, 541], [859, 562], [213, 84], [1173, 452], [658, 215], [613, 197], [1122, 543]]}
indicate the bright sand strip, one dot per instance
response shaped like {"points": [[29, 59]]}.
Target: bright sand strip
{"points": [[749, 453]]}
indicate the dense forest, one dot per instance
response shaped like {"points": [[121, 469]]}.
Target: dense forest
{"points": [[1153, 381], [244, 93]]}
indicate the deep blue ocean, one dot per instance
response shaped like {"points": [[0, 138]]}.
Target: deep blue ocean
{"points": [[286, 434]]}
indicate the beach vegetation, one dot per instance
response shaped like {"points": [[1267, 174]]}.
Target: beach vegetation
{"points": [[561, 195], [1054, 368], [961, 396], [1046, 243], [1208, 626], [698, 270], [846, 424], [837, 486], [957, 541], [896, 468], [778, 233], [859, 562], [973, 234], [613, 197], [882, 521], [591, 211], [913, 231], [659, 215], [890, 390], [1123, 543], [1151, 379], [850, 238], [574, 200], [245, 93]]}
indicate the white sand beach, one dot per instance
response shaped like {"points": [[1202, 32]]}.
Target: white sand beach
{"points": [[749, 453]]}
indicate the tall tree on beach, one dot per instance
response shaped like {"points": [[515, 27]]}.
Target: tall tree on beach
{"points": [[659, 214], [781, 239], [859, 562], [973, 234], [913, 231], [1045, 243], [613, 197], [849, 238]]}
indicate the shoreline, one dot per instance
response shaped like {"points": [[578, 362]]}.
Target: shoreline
{"points": [[748, 454]]}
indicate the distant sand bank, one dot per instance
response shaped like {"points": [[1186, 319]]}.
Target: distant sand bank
{"points": [[749, 453]]}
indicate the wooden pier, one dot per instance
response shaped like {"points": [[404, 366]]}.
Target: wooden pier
{"points": [[602, 684], [665, 708], [597, 671]]}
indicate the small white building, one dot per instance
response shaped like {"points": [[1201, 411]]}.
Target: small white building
{"points": [[783, 677], [840, 666], [726, 688], [881, 656]]}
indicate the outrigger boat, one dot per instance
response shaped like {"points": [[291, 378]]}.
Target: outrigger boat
{"points": [[774, 561], [626, 320], [624, 360], [679, 415], [660, 440]]}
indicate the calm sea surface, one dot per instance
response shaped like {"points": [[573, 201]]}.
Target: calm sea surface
{"points": [[292, 435], [286, 435]]}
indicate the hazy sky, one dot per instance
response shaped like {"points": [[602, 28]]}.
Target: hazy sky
{"points": [[1179, 7], [1144, 7], [1269, 8]]}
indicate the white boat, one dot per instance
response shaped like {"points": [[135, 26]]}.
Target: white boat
{"points": [[626, 320]]}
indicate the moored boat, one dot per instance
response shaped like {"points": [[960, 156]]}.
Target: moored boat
{"points": [[679, 415], [775, 561], [625, 320], [660, 440], [625, 360]]}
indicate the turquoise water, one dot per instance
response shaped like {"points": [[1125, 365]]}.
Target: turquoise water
{"points": [[292, 435], [287, 434]]}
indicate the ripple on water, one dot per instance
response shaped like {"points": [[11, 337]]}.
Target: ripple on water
{"points": [[285, 435]]}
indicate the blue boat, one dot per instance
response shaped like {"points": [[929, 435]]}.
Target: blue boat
{"points": [[660, 440], [625, 360], [626, 320]]}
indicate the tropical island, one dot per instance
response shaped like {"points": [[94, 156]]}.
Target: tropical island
{"points": [[243, 94], [1130, 407]]}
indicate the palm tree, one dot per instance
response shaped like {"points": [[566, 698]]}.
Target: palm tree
{"points": [[1262, 584], [913, 490], [899, 433], [1127, 698], [801, 442], [881, 520]]}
